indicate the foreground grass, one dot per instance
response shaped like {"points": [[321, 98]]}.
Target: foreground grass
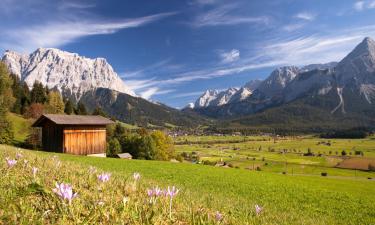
{"points": [[204, 190]]}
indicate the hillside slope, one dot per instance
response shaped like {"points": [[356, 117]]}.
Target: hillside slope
{"points": [[136, 110]]}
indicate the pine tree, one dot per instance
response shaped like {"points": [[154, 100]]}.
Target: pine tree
{"points": [[81, 109], [6, 102], [99, 112], [38, 93], [69, 108], [55, 103]]}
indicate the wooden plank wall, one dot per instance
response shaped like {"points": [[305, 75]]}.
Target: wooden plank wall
{"points": [[52, 137], [85, 140]]}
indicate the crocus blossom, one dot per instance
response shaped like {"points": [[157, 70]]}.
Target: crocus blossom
{"points": [[258, 209], [136, 176], [19, 155], [172, 191], [218, 216], [104, 177], [11, 162], [35, 171], [65, 192]]}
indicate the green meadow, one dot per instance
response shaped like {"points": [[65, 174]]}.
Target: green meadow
{"points": [[283, 154], [204, 191]]}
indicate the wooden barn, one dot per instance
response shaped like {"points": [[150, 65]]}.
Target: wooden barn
{"points": [[73, 134]]}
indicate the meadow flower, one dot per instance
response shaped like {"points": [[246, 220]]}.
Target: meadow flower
{"points": [[35, 171], [218, 216], [65, 192], [19, 155], [104, 177], [11, 162], [150, 192], [136, 176], [172, 191], [25, 162], [258, 209]]}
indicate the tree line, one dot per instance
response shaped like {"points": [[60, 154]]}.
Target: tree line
{"points": [[141, 143]]}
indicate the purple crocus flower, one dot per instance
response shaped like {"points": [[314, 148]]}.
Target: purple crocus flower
{"points": [[258, 209], [35, 171], [104, 177], [11, 162], [65, 192], [19, 155], [218, 216], [136, 176], [155, 192], [172, 191]]}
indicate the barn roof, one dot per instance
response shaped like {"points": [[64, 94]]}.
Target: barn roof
{"points": [[61, 119]]}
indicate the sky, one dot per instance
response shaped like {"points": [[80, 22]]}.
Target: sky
{"points": [[171, 51]]}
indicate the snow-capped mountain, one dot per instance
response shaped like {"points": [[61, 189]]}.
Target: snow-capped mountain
{"points": [[219, 98], [347, 87], [71, 74], [277, 81]]}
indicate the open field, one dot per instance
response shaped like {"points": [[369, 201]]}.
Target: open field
{"points": [[284, 154], [204, 190]]}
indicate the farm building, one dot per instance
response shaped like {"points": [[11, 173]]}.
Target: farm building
{"points": [[125, 155], [73, 134]]}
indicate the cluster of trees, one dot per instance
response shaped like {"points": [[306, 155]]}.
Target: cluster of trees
{"points": [[141, 144], [39, 99], [6, 102], [347, 134]]}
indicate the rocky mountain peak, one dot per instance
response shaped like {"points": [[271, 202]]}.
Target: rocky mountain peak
{"points": [[70, 73]]}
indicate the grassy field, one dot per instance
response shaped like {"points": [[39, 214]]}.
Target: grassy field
{"points": [[284, 154], [21, 127], [204, 191]]}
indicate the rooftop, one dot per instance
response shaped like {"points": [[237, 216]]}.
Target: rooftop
{"points": [[61, 119]]}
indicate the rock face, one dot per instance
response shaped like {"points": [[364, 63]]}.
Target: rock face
{"points": [[69, 73], [340, 88]]}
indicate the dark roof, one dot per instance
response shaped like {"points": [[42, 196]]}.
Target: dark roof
{"points": [[61, 119]]}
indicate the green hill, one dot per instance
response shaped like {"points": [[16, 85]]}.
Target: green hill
{"points": [[21, 127]]}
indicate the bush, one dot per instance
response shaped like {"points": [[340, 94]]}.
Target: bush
{"points": [[113, 148], [324, 174], [371, 167], [343, 153]]}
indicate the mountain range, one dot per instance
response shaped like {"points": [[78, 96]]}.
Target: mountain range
{"points": [[340, 93]]}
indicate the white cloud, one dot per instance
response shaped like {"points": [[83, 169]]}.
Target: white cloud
{"points": [[222, 16], [359, 5], [60, 32], [293, 27], [363, 5], [231, 56], [154, 91], [305, 16]]}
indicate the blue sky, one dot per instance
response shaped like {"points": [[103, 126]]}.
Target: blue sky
{"points": [[173, 50]]}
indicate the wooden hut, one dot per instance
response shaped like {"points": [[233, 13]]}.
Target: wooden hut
{"points": [[73, 134]]}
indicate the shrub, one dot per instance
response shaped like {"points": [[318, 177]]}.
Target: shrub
{"points": [[324, 174], [343, 153], [113, 148]]}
